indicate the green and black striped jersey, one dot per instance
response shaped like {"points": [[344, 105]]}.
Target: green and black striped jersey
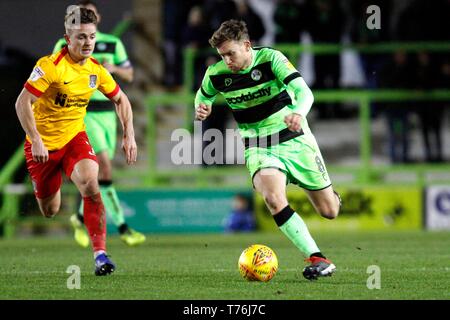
{"points": [[260, 96]]}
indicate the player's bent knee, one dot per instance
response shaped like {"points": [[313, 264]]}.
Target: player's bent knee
{"points": [[49, 211], [89, 186], [329, 215], [329, 212], [275, 201]]}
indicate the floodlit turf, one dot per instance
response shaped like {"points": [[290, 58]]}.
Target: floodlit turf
{"points": [[413, 265]]}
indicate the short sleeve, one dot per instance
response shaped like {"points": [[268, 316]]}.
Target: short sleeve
{"points": [[108, 86], [42, 76], [120, 56], [207, 88], [283, 68], [206, 93]]}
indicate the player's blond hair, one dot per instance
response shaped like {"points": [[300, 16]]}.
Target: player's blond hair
{"points": [[229, 30], [76, 16]]}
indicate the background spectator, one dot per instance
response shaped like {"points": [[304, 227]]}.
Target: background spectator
{"points": [[396, 74], [241, 218], [434, 26], [287, 17], [325, 21]]}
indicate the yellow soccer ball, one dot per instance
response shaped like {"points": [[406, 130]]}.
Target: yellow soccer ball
{"points": [[258, 263]]}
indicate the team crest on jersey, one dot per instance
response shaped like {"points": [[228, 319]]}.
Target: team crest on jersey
{"points": [[256, 74], [36, 74], [92, 81], [228, 82]]}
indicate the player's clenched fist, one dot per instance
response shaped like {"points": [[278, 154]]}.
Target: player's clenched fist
{"points": [[202, 112], [39, 151], [293, 122]]}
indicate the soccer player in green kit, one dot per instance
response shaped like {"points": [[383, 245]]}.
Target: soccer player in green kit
{"points": [[270, 100], [101, 125]]}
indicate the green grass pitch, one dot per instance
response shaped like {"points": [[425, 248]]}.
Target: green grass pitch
{"points": [[413, 265]]}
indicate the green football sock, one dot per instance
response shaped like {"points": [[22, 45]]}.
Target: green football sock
{"points": [[112, 204], [292, 225]]}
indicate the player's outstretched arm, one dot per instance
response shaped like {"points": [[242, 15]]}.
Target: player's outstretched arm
{"points": [[304, 99], [124, 73], [303, 96], [203, 101], [125, 114], [26, 118], [123, 70]]}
